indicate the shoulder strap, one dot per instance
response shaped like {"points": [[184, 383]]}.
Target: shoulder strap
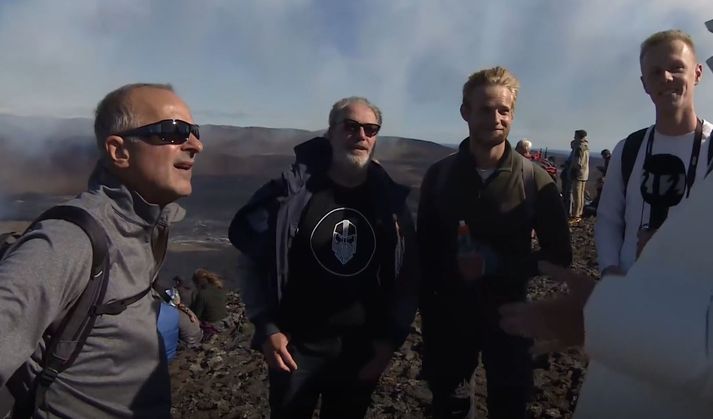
{"points": [[632, 144], [69, 338], [529, 186]]}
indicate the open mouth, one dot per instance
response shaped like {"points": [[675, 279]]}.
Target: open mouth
{"points": [[183, 166]]}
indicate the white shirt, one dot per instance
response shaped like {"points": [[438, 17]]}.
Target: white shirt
{"points": [[620, 214]]}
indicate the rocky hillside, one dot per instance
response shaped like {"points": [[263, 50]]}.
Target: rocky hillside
{"points": [[225, 379]]}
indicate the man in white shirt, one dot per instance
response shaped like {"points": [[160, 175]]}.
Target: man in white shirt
{"points": [[637, 197], [650, 333]]}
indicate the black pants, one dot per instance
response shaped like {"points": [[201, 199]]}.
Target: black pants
{"points": [[326, 367], [456, 330]]}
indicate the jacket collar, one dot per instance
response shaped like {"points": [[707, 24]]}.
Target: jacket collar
{"points": [[314, 157], [504, 165], [129, 203]]}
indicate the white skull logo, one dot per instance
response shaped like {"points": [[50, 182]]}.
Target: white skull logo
{"points": [[344, 241]]}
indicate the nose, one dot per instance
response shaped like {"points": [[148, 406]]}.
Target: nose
{"points": [[362, 134], [667, 75], [193, 145]]}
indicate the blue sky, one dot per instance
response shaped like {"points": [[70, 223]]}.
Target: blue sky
{"points": [[282, 63]]}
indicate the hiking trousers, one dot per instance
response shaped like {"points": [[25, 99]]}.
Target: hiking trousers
{"points": [[578, 187], [453, 339], [326, 367]]}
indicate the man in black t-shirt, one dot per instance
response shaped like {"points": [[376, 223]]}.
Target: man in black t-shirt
{"points": [[331, 251]]}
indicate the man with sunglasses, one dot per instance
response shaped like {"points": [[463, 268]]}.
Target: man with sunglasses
{"points": [[148, 144], [331, 248], [477, 210]]}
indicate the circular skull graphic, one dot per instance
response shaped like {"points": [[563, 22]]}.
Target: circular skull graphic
{"points": [[343, 242]]}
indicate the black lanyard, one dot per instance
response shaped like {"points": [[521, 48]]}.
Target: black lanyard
{"points": [[693, 164]]}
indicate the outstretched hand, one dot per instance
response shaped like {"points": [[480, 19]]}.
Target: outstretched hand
{"points": [[555, 324]]}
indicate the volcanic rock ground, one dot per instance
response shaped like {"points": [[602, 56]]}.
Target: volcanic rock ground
{"points": [[223, 378]]}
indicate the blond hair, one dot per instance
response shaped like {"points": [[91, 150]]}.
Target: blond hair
{"points": [[498, 76], [203, 277], [666, 37]]}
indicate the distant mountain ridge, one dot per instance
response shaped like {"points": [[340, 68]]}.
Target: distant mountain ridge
{"points": [[55, 155]]}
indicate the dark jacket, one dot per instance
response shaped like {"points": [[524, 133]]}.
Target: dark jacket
{"points": [[263, 230], [497, 214], [209, 304]]}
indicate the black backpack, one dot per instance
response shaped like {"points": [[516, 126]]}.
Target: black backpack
{"points": [[74, 329], [632, 144]]}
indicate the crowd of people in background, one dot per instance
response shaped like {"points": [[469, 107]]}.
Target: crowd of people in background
{"points": [[336, 268]]}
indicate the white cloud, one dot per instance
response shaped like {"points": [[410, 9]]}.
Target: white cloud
{"points": [[283, 63]]}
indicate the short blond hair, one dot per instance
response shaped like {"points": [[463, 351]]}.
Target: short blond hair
{"points": [[666, 37], [498, 76]]}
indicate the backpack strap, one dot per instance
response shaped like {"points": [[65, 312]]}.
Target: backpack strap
{"points": [[632, 144], [529, 186], [69, 338]]}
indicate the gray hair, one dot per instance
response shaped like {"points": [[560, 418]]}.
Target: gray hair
{"points": [[338, 109], [113, 113]]}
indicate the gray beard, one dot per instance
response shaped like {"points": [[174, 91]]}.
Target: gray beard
{"points": [[350, 165]]}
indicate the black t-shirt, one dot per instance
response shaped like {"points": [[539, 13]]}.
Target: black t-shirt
{"points": [[333, 261]]}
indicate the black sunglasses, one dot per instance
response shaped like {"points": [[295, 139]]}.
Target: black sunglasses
{"points": [[353, 126], [170, 131]]}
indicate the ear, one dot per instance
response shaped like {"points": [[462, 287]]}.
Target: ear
{"points": [[464, 111], [698, 73], [117, 151]]}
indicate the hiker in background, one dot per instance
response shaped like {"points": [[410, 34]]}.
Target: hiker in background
{"points": [[606, 157], [334, 285], [523, 147], [655, 168], [579, 174], [177, 323], [591, 208], [147, 143], [476, 213], [210, 300]]}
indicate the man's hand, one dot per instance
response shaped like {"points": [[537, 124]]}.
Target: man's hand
{"points": [[556, 324], [276, 353], [371, 372]]}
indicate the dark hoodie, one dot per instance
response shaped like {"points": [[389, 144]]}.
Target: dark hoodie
{"points": [[264, 229]]}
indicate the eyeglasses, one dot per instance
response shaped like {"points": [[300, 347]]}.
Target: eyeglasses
{"points": [[352, 127], [170, 131]]}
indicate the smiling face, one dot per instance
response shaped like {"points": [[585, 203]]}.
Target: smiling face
{"points": [[669, 74], [352, 147], [159, 172], [488, 110]]}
